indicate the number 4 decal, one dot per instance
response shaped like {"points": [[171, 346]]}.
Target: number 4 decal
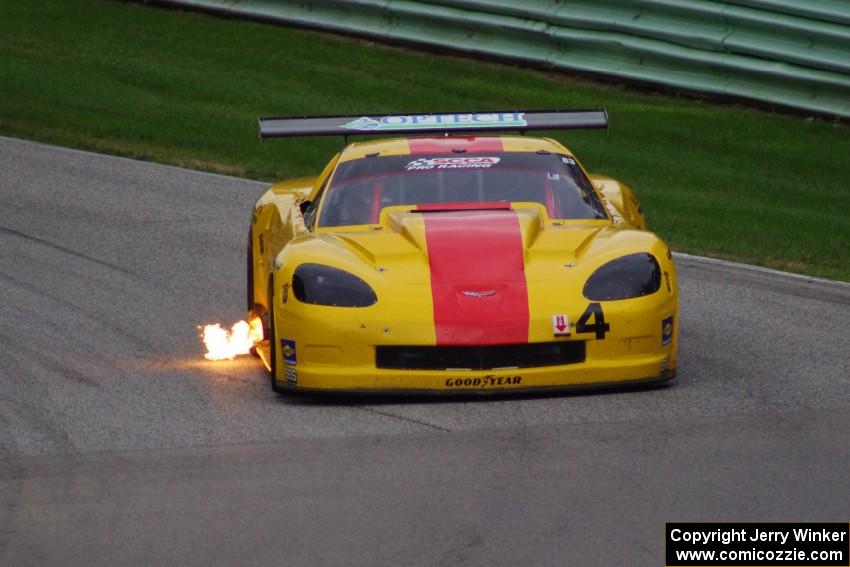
{"points": [[599, 326]]}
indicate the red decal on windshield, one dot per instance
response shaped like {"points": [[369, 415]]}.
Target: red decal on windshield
{"points": [[472, 145], [477, 277], [377, 193]]}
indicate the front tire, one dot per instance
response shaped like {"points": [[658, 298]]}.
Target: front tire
{"points": [[249, 281], [249, 274], [273, 346]]}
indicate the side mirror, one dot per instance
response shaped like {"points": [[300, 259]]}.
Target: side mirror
{"points": [[304, 205]]}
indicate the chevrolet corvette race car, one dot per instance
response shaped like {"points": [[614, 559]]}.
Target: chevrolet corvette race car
{"points": [[443, 263]]}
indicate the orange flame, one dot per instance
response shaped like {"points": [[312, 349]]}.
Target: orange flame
{"points": [[226, 345]]}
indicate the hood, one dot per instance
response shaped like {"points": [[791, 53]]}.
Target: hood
{"points": [[404, 234], [478, 259]]}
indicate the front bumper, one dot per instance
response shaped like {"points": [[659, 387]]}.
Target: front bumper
{"points": [[334, 349], [665, 378], [652, 368]]}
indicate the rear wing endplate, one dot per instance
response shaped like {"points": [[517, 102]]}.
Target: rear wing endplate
{"points": [[442, 123]]}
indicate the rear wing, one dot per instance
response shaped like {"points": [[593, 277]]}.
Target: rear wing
{"points": [[442, 123]]}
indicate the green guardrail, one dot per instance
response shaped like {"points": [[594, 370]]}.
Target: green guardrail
{"points": [[793, 53]]}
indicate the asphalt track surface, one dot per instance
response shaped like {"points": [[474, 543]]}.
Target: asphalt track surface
{"points": [[121, 445]]}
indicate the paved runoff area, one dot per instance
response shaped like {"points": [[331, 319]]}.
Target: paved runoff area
{"points": [[121, 445]]}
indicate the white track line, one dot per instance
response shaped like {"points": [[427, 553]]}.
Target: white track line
{"points": [[135, 161], [761, 270]]}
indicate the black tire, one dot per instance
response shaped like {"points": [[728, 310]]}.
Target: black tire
{"points": [[272, 340], [249, 288], [249, 274], [254, 309]]}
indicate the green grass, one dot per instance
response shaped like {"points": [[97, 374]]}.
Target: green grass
{"points": [[187, 88]]}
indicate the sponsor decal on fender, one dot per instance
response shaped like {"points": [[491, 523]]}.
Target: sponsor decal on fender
{"points": [[484, 381], [666, 331], [288, 348], [561, 325]]}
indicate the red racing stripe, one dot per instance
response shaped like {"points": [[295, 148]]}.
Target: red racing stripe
{"points": [[472, 145], [477, 277]]}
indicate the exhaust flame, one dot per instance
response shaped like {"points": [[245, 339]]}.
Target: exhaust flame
{"points": [[226, 345]]}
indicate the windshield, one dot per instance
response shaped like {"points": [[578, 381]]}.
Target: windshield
{"points": [[360, 188]]}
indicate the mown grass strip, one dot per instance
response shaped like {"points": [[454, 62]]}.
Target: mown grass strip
{"points": [[186, 88]]}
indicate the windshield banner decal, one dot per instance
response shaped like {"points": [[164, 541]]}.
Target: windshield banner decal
{"points": [[451, 163]]}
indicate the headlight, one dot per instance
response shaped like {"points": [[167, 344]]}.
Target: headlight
{"points": [[631, 276], [323, 285]]}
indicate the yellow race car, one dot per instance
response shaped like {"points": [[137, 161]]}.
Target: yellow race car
{"points": [[445, 263]]}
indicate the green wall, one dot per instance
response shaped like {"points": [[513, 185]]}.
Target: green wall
{"points": [[783, 52]]}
